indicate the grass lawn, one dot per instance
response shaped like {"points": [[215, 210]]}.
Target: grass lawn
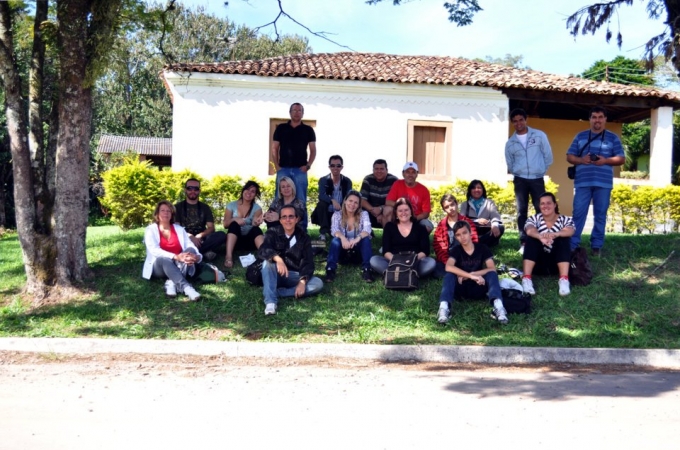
{"points": [[632, 303]]}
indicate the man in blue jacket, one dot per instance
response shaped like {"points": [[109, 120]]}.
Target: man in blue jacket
{"points": [[528, 156], [332, 190]]}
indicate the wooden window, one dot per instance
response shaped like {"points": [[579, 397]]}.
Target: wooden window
{"points": [[429, 146], [272, 126]]}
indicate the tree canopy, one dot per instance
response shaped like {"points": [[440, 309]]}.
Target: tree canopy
{"points": [[619, 70]]}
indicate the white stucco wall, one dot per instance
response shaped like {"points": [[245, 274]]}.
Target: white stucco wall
{"points": [[221, 123]]}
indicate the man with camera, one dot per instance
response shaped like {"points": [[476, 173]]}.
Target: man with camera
{"points": [[594, 152]]}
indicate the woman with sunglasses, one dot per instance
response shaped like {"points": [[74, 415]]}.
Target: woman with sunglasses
{"points": [[242, 219], [351, 231]]}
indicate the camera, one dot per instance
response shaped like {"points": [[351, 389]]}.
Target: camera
{"points": [[594, 157]]}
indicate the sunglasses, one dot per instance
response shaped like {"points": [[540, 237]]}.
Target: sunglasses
{"points": [[335, 166], [192, 188], [287, 217]]}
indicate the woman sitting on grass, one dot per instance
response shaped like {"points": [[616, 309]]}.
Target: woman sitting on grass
{"points": [[287, 196], [242, 219], [170, 254], [403, 235], [483, 213], [444, 240], [548, 244], [351, 231]]}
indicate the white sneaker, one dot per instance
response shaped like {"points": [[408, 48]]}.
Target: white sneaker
{"points": [[443, 315], [499, 312], [270, 309], [192, 294], [564, 287], [170, 289], [528, 286]]}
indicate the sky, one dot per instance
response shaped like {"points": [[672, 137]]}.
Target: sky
{"points": [[535, 29]]}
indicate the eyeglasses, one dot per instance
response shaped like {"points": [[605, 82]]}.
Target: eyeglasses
{"points": [[287, 217], [335, 166], [192, 188]]}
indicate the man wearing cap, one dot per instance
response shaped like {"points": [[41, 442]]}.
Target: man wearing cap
{"points": [[418, 195], [528, 156], [374, 190], [289, 152], [332, 191]]}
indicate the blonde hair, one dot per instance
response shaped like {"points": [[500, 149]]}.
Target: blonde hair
{"points": [[292, 185], [345, 213]]}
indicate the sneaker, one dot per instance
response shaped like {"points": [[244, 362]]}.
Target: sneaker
{"points": [[322, 237], [270, 309], [564, 287], [443, 315], [170, 289], [528, 286], [521, 249], [210, 256], [367, 276], [499, 312], [192, 294], [330, 275]]}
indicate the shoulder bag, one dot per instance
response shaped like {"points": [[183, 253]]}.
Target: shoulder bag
{"points": [[401, 272]]}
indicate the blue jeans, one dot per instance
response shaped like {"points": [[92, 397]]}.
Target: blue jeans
{"points": [[470, 289], [600, 198], [335, 250], [300, 179], [276, 286], [523, 188]]}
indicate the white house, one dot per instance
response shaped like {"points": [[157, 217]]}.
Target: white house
{"points": [[450, 115]]}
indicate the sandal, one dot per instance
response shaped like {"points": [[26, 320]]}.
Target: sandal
{"points": [[228, 263]]}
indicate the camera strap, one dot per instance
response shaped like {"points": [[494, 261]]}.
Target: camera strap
{"points": [[591, 138]]}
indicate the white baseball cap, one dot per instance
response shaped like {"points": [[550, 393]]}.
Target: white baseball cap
{"points": [[410, 165]]}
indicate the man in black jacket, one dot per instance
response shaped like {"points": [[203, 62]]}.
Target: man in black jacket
{"points": [[332, 190], [288, 268]]}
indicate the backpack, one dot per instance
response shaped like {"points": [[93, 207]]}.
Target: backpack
{"points": [[516, 301], [254, 273], [209, 274], [580, 272], [401, 272]]}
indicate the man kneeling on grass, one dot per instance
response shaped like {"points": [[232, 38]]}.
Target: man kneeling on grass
{"points": [[470, 273], [288, 267]]}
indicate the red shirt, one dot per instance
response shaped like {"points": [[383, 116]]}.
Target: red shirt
{"points": [[171, 245], [418, 195]]}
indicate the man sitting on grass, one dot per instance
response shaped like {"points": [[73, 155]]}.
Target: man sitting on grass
{"points": [[470, 273], [288, 267]]}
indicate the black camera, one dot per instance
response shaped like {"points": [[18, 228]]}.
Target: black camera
{"points": [[594, 157]]}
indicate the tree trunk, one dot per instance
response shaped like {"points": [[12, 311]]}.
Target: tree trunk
{"points": [[73, 151]]}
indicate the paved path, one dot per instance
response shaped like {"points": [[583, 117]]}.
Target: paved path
{"points": [[50, 401]]}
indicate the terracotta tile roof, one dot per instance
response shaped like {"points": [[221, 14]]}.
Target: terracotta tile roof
{"points": [[438, 70], [148, 146]]}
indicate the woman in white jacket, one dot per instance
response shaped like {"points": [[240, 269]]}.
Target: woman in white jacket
{"points": [[170, 254]]}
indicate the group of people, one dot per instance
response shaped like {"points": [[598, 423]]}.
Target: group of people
{"points": [[183, 235]]}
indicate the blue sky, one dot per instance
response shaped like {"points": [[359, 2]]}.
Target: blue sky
{"points": [[534, 29]]}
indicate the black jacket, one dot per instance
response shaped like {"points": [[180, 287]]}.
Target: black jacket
{"points": [[326, 188], [298, 258]]}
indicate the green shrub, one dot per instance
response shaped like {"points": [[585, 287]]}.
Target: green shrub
{"points": [[634, 175], [640, 208]]}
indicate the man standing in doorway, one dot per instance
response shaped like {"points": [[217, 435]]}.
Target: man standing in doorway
{"points": [[289, 151], [528, 156], [197, 218], [374, 190], [594, 152]]}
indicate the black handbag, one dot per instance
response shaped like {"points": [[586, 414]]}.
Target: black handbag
{"points": [[516, 301], [254, 273], [401, 272]]}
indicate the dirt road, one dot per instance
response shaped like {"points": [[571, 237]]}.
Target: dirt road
{"points": [[142, 402]]}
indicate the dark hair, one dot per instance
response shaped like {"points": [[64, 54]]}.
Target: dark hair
{"points": [[518, 112], [552, 196], [192, 179], [380, 161], [298, 104], [472, 185], [461, 224], [597, 109], [398, 203], [288, 205], [248, 185], [448, 198], [158, 210], [336, 157]]}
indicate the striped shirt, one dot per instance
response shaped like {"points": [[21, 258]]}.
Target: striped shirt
{"points": [[604, 146], [537, 221]]}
